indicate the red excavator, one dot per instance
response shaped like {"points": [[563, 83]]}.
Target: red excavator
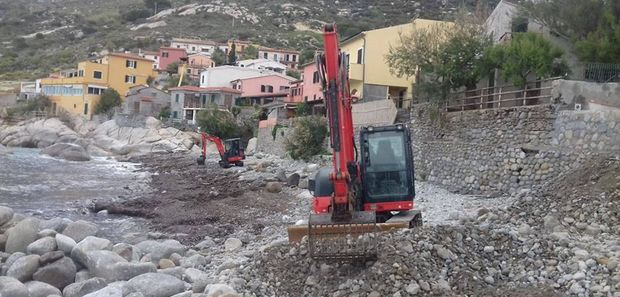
{"points": [[367, 189], [230, 151]]}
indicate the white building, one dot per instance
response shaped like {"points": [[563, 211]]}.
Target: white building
{"points": [[153, 56], [193, 46], [263, 64], [221, 76], [285, 56]]}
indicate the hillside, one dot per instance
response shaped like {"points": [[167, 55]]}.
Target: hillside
{"points": [[40, 36]]}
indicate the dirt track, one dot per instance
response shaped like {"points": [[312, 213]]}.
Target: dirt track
{"points": [[200, 200]]}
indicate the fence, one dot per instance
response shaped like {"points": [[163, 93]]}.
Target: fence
{"points": [[602, 73], [534, 93]]}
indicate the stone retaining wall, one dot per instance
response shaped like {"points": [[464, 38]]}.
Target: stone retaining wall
{"points": [[267, 144], [500, 151]]}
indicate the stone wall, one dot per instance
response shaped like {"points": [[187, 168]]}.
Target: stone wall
{"points": [[267, 144], [498, 151], [591, 95]]}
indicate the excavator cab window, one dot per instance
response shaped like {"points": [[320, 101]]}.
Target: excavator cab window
{"points": [[232, 147], [386, 159]]}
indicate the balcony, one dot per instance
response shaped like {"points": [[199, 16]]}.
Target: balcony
{"points": [[356, 71]]}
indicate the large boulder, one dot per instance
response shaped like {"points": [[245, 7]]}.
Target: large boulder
{"points": [[109, 291], [112, 267], [6, 214], [251, 148], [155, 285], [67, 151], [89, 244], [24, 267], [42, 246], [273, 187], [65, 243], [20, 236], [58, 274], [79, 230], [85, 287], [161, 249], [11, 287], [39, 289]]}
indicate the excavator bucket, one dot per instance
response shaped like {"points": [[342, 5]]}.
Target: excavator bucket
{"points": [[342, 241]]}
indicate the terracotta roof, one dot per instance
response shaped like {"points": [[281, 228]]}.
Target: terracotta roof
{"points": [[171, 49], [129, 56], [153, 53], [209, 89]]}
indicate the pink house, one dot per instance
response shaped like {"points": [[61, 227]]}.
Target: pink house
{"points": [[263, 89], [311, 83], [169, 55]]}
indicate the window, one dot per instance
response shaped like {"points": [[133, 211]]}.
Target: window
{"points": [[176, 98], [204, 100], [287, 57], [360, 56], [193, 48], [270, 89], [262, 88], [202, 79], [131, 64], [266, 55], [306, 98], [294, 58], [130, 79], [165, 54], [213, 97], [175, 115], [315, 77], [97, 74], [95, 91], [275, 57], [85, 108], [178, 46], [80, 73]]}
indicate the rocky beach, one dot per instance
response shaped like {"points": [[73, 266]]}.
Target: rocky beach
{"points": [[213, 232]]}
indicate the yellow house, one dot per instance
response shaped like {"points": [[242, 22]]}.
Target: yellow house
{"points": [[78, 91], [369, 73]]}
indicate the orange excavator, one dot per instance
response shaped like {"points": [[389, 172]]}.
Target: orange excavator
{"points": [[367, 189], [231, 153]]}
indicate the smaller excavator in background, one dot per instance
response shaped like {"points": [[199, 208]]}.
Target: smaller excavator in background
{"points": [[231, 153]]}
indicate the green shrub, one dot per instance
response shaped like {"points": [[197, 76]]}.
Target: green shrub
{"points": [[303, 109], [308, 137], [135, 14], [164, 113], [109, 99], [218, 123]]}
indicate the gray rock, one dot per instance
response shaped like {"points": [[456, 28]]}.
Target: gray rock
{"points": [[155, 285], [42, 246], [89, 244], [65, 243], [251, 148], [20, 236], [184, 294], [303, 183], [413, 288], [579, 276], [273, 187], [11, 287], [67, 151], [127, 251], [109, 291], [112, 267], [50, 257], [24, 268], [489, 249], [205, 244], [82, 275], [193, 261], [79, 230], [424, 285], [6, 214], [177, 272], [47, 233], [56, 224], [293, 180], [3, 239], [10, 260], [165, 264], [85, 287], [161, 249], [232, 244], [58, 274], [40, 289], [220, 290], [550, 222]]}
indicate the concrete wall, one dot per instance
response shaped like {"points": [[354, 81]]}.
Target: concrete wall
{"points": [[591, 95], [499, 151]]}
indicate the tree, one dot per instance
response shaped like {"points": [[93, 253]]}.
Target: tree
{"points": [[232, 55], [218, 56], [109, 99], [446, 56], [602, 45], [302, 109], [218, 123], [306, 56], [157, 5], [173, 68], [250, 52], [293, 73], [164, 112], [308, 137], [527, 53], [149, 80]]}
